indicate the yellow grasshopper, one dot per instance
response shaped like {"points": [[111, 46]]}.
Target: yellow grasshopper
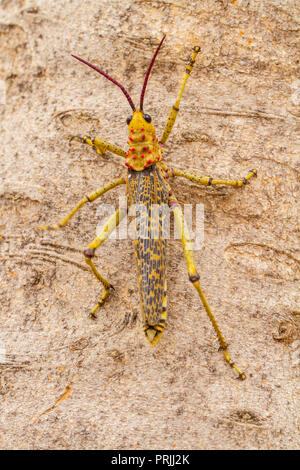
{"points": [[147, 184]]}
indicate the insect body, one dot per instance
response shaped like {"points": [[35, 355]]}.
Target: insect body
{"points": [[147, 183], [148, 190]]}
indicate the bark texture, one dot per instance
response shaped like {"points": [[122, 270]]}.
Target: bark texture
{"points": [[100, 383]]}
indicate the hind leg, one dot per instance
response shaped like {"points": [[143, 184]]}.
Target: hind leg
{"points": [[194, 278], [89, 253], [208, 181]]}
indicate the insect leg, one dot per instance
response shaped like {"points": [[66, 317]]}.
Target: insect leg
{"points": [[194, 278], [208, 181], [89, 198], [89, 253], [102, 147], [175, 108]]}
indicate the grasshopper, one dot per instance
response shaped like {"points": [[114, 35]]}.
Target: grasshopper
{"points": [[147, 183]]}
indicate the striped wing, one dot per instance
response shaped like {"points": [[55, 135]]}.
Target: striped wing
{"points": [[147, 188]]}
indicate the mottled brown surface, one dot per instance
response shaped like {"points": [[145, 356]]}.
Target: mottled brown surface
{"points": [[240, 111]]}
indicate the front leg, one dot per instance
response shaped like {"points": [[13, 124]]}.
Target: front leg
{"points": [[102, 147], [208, 181], [175, 108], [89, 253]]}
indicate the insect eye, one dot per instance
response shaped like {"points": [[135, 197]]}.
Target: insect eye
{"points": [[128, 120], [147, 117]]}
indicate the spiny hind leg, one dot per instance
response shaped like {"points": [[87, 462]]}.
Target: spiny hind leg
{"points": [[89, 253], [90, 198], [194, 278], [175, 108]]}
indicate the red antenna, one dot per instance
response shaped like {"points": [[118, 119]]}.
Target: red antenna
{"points": [[109, 78], [148, 73]]}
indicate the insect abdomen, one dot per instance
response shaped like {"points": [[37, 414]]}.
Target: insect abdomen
{"points": [[146, 189]]}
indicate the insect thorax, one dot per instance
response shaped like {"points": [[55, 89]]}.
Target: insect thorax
{"points": [[144, 149]]}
